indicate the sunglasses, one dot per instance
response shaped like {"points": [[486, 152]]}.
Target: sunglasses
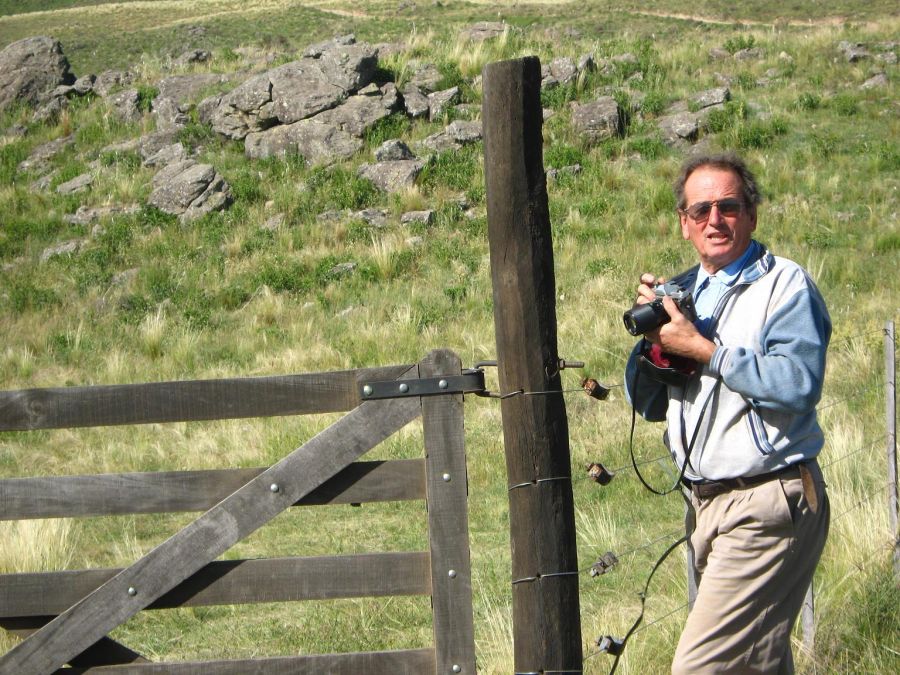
{"points": [[699, 211]]}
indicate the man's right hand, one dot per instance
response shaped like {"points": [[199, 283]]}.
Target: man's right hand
{"points": [[645, 290]]}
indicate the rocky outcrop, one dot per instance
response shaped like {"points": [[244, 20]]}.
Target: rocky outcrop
{"points": [[295, 91], [30, 68], [454, 136], [185, 89], [126, 105], [359, 113], [393, 150], [189, 190]]}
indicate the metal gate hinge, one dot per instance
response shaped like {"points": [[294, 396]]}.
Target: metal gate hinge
{"points": [[470, 382]]}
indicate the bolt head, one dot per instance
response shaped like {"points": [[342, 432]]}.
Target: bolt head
{"points": [[443, 384], [274, 487], [456, 668], [367, 390], [404, 388], [452, 574], [132, 591], [446, 477]]}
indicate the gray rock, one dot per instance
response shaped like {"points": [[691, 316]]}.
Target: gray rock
{"points": [[273, 223], [392, 176], [718, 54], [414, 242], [854, 55], [125, 105], [454, 136], [62, 91], [206, 109], [84, 84], [627, 57], [390, 96], [749, 54], [333, 217], [439, 101], [31, 67], [572, 170], [357, 114], [875, 82], [683, 126], [373, 217], [586, 62], [43, 183], [393, 150], [890, 58], [724, 80], [110, 79], [185, 89], [78, 184], [193, 56], [425, 76], [168, 154], [711, 97], [189, 190], [417, 217], [169, 114], [50, 110], [483, 30], [316, 50], [598, 120], [318, 143], [86, 215], [563, 69], [65, 248], [415, 102]]}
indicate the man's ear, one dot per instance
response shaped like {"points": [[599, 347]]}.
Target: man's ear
{"points": [[685, 231], [753, 220]]}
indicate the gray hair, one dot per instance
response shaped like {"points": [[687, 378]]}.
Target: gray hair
{"points": [[725, 162]]}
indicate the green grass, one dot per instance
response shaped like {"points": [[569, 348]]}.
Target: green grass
{"points": [[147, 299]]}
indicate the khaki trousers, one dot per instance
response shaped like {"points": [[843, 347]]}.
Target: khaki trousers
{"points": [[756, 550]]}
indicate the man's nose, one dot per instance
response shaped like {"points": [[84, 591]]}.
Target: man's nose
{"points": [[714, 216]]}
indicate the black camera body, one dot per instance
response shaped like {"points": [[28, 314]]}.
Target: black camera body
{"points": [[641, 319]]}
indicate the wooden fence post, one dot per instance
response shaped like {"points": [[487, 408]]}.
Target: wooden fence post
{"points": [[890, 409], [546, 621]]}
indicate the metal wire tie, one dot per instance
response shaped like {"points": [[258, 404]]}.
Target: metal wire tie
{"points": [[541, 576], [538, 480]]}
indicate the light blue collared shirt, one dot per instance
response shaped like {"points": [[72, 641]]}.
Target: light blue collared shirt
{"points": [[710, 288]]}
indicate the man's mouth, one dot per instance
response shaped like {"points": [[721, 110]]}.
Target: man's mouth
{"points": [[718, 236]]}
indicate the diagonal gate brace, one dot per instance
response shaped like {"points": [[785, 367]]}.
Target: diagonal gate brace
{"points": [[211, 535]]}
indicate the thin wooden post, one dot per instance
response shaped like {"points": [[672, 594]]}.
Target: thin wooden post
{"points": [[690, 524], [546, 623], [808, 618], [890, 409]]}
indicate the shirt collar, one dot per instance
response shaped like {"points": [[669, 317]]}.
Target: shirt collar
{"points": [[728, 274]]}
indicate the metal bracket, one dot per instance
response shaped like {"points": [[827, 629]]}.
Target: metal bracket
{"points": [[470, 382]]}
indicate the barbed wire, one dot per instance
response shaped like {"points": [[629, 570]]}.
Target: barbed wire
{"points": [[855, 395], [646, 544], [869, 497], [852, 453]]}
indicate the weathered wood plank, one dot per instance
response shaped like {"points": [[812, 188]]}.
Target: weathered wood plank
{"points": [[105, 651], [546, 621], [173, 491], [233, 582], [448, 523], [400, 662], [209, 536], [185, 401]]}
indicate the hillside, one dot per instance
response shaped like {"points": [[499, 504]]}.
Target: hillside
{"points": [[356, 236]]}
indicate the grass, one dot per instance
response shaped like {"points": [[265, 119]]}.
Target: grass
{"points": [[147, 299]]}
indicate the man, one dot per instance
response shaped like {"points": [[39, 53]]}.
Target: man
{"points": [[742, 425]]}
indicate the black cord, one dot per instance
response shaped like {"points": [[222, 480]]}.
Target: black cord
{"points": [[643, 596]]}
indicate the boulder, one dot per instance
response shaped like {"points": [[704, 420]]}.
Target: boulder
{"points": [[415, 102], [189, 190], [417, 217], [108, 80], [78, 184], [425, 76], [193, 56], [439, 101], [373, 217], [571, 170], [393, 150], [169, 115], [318, 143], [679, 127], [563, 69], [748, 54], [454, 136], [206, 109], [50, 110], [358, 113], [877, 81], [86, 215], [168, 154], [65, 248], [392, 176], [84, 84], [125, 105], [711, 97], [294, 91], [31, 67], [598, 120]]}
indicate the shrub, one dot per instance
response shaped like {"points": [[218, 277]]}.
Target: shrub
{"points": [[559, 155], [738, 42], [808, 101], [146, 94], [845, 104]]}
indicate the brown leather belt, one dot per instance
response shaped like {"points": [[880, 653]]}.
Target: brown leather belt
{"points": [[707, 489]]}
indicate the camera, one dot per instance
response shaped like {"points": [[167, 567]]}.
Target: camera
{"points": [[641, 319]]}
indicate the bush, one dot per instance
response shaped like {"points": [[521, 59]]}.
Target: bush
{"points": [[845, 104], [739, 42], [808, 101], [146, 94]]}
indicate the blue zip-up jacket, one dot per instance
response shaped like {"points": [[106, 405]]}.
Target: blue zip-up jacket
{"points": [[751, 410]]}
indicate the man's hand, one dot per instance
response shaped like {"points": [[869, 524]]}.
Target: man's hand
{"points": [[680, 336]]}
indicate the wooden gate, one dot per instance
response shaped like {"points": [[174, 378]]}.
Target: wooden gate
{"points": [[66, 616]]}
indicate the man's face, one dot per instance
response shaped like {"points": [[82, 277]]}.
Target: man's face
{"points": [[719, 239]]}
